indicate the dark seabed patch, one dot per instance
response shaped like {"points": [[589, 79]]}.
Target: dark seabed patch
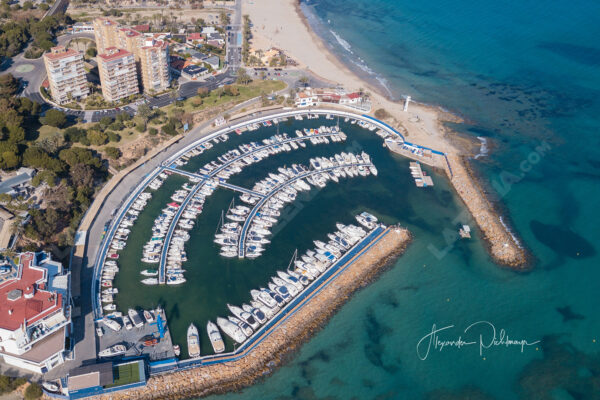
{"points": [[375, 350], [565, 373], [568, 314], [465, 393], [562, 240]]}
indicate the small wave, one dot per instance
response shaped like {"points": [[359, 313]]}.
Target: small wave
{"points": [[510, 232], [483, 150], [342, 42]]}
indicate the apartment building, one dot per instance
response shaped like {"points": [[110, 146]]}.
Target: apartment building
{"points": [[66, 75], [118, 74], [106, 34], [151, 56], [35, 312], [154, 63], [130, 40]]}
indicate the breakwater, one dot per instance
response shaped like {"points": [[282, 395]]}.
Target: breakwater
{"points": [[285, 338], [503, 246]]}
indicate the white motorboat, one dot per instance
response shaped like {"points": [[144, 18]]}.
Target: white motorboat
{"points": [[244, 316], [148, 316], [175, 280], [215, 337], [231, 330], [112, 324], [149, 272], [256, 313], [264, 297], [247, 329], [193, 341], [135, 318], [150, 281]]}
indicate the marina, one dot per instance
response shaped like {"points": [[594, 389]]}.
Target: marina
{"points": [[191, 196]]}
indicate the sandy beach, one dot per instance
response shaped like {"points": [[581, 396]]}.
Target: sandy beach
{"points": [[281, 24]]}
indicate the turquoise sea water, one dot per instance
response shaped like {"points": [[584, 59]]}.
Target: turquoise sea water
{"points": [[526, 74]]}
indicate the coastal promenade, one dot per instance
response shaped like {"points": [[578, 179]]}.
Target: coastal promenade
{"points": [[283, 335]]}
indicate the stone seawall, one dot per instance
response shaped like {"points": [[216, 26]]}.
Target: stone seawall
{"points": [[284, 340], [502, 245]]}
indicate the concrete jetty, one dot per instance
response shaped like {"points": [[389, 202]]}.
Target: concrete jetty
{"points": [[285, 338]]}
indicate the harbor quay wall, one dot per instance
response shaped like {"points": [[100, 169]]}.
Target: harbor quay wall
{"points": [[285, 338]]}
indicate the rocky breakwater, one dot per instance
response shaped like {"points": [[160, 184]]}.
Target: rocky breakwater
{"points": [[503, 246], [284, 339]]}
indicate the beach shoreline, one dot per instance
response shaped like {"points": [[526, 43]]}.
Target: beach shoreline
{"points": [[422, 124], [285, 339]]}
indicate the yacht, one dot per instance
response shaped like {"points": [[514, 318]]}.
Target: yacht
{"points": [[149, 272], [369, 221], [150, 281], [244, 316], [215, 337], [135, 318], [231, 330], [193, 341], [148, 316], [112, 324], [256, 313], [175, 280], [264, 297], [112, 351], [290, 280], [282, 291], [247, 329], [293, 290]]}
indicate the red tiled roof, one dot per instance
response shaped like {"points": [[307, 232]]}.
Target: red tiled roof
{"points": [[130, 32], [112, 53], [142, 28], [353, 95], [13, 313], [194, 36], [59, 52]]}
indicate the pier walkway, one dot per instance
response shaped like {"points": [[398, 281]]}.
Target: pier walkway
{"points": [[265, 198], [169, 235], [221, 182]]}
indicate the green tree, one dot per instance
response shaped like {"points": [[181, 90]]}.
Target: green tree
{"points": [[33, 391], [112, 152], [97, 138], [9, 160], [76, 155], [8, 85], [242, 77], [54, 118], [91, 52], [145, 112]]}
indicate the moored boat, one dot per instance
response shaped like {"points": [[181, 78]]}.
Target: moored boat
{"points": [[215, 337], [193, 341]]}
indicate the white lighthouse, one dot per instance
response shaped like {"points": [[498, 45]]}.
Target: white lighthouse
{"points": [[406, 103]]}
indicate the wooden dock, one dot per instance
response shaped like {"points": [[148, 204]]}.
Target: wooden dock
{"points": [[421, 179]]}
